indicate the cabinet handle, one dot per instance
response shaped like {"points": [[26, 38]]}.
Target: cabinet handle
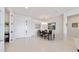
{"points": [[11, 31]]}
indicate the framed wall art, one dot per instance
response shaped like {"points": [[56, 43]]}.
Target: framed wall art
{"points": [[75, 25]]}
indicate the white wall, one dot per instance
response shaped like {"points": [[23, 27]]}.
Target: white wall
{"points": [[72, 32], [59, 26], [33, 26], [2, 17]]}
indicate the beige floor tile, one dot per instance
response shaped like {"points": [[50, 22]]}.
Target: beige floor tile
{"points": [[36, 44]]}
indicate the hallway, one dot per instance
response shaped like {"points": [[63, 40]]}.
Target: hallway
{"points": [[36, 44]]}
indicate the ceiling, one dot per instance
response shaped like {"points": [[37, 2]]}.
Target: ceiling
{"points": [[41, 13]]}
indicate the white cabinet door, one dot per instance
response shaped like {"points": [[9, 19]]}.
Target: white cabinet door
{"points": [[18, 27]]}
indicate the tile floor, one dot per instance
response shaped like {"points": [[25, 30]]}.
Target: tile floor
{"points": [[36, 44]]}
